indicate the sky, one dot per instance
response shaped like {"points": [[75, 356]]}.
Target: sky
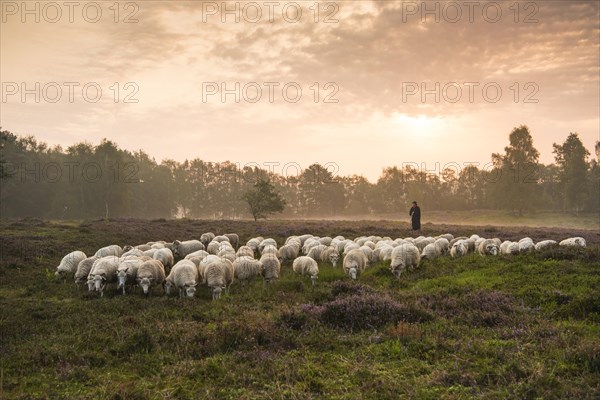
{"points": [[356, 85]]}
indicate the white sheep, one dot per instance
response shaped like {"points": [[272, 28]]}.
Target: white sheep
{"points": [[165, 256], [573, 242], [271, 250], [205, 262], [330, 254], [507, 247], [442, 245], [458, 249], [234, 239], [254, 243], [404, 256], [150, 273], [266, 242], [526, 245], [184, 276], [182, 249], [69, 263], [271, 267], [112, 250], [132, 252], [430, 252], [83, 269], [246, 268], [315, 252], [213, 247], [488, 247], [206, 238], [289, 251], [245, 251], [103, 272], [218, 276], [355, 261], [127, 272], [200, 254], [544, 244], [305, 265]]}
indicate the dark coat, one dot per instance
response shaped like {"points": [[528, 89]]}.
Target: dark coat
{"points": [[415, 215]]}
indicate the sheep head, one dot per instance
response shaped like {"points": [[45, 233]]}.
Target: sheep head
{"points": [[313, 279], [216, 292], [190, 290], [168, 286], [334, 257], [145, 284], [122, 277], [353, 272], [99, 282]]}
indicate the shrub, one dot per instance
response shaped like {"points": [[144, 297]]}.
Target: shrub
{"points": [[369, 311]]}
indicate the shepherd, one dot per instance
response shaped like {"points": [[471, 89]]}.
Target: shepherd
{"points": [[415, 215]]}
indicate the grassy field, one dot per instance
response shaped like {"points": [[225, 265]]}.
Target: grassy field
{"points": [[526, 326]]}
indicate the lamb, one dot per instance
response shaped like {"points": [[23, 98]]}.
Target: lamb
{"points": [[112, 250], [330, 254], [246, 268], [305, 265], [206, 238], [182, 249], [404, 256], [271, 267], [218, 276], [103, 272], [150, 273], [165, 256], [234, 239], [245, 251], [458, 249], [69, 263], [573, 242], [83, 269], [127, 272], [544, 244], [355, 262], [184, 276], [488, 247]]}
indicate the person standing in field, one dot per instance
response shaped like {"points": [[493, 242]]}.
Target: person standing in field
{"points": [[415, 216]]}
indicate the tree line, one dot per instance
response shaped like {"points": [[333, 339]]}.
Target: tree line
{"points": [[93, 181]]}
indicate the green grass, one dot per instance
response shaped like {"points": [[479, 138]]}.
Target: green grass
{"points": [[494, 328]]}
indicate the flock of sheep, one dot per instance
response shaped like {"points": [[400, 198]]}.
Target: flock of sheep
{"points": [[215, 261]]}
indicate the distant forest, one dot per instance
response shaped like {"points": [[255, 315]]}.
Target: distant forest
{"points": [[104, 181]]}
